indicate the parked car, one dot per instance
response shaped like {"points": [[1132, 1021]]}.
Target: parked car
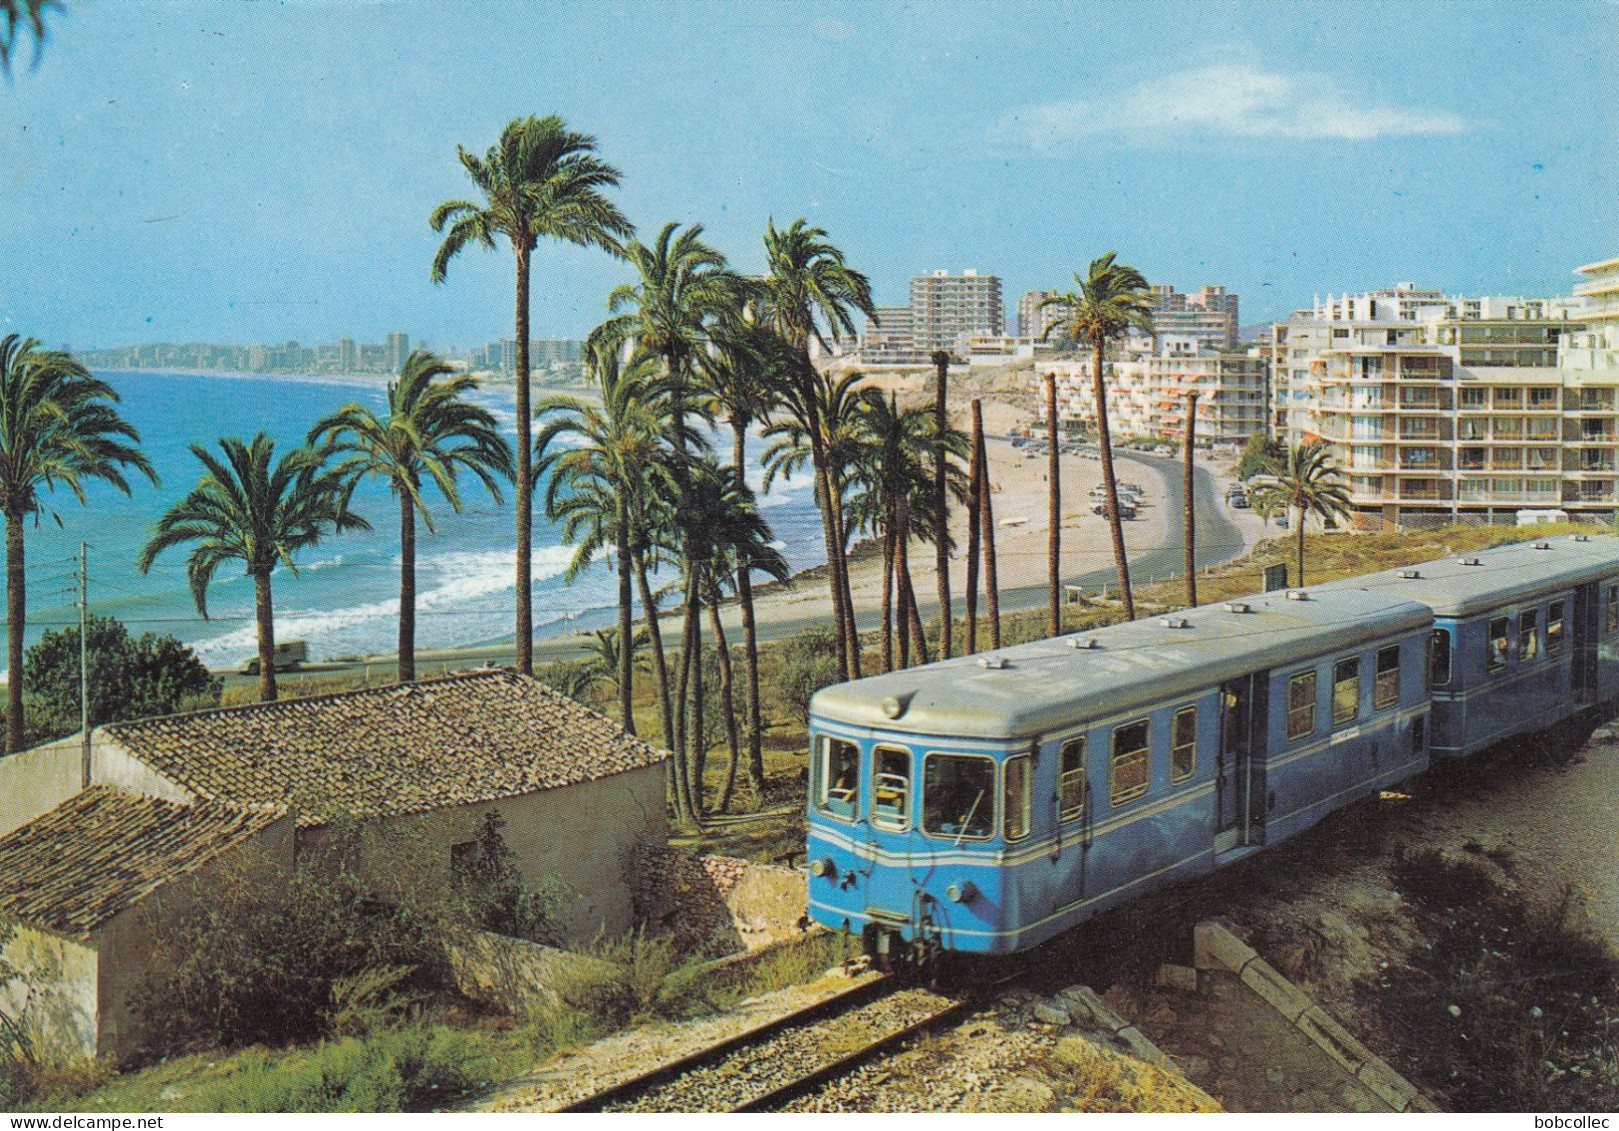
{"points": [[1281, 518], [1162, 450], [1018, 441], [287, 655], [1239, 502], [1126, 510]]}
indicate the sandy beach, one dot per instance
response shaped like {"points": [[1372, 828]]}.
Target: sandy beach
{"points": [[1018, 480]]}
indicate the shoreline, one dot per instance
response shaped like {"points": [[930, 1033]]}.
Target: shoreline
{"points": [[1020, 500]]}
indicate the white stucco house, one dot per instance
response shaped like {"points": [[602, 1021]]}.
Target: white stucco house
{"points": [[88, 870]]}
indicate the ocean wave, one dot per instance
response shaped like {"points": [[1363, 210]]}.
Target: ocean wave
{"points": [[455, 599]]}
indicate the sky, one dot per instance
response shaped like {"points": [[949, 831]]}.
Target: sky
{"points": [[255, 172]]}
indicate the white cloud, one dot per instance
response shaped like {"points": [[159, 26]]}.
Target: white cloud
{"points": [[1230, 99]]}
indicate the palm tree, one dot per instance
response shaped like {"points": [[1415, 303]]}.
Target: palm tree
{"points": [[244, 509], [541, 180], [600, 463], [748, 363], [1308, 482], [57, 429], [683, 290], [17, 16], [723, 527], [613, 661], [831, 402], [1111, 299], [893, 467], [808, 286], [431, 432]]}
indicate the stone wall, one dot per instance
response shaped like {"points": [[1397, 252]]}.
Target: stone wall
{"points": [[718, 905]]}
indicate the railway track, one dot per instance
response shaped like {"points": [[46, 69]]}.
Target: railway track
{"points": [[779, 1061]]}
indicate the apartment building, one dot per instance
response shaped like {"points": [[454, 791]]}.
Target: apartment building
{"points": [[1146, 394], [1442, 409], [1208, 314], [945, 313], [945, 307], [1033, 318]]}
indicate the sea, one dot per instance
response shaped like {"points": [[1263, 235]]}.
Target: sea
{"points": [[343, 599]]}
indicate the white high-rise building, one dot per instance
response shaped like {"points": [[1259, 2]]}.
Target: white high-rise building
{"points": [[946, 309]]}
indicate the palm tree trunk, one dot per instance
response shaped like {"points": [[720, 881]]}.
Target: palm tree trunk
{"points": [[908, 605], [902, 618], [728, 703], [973, 474], [888, 594], [525, 488], [750, 636], [1189, 537], [941, 521], [699, 740], [1299, 522], [829, 532], [407, 588], [16, 624], [626, 626], [851, 629], [660, 662], [264, 614], [992, 585], [1054, 509], [1121, 564]]}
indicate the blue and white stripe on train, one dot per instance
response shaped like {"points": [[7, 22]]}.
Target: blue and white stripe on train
{"points": [[987, 803]]}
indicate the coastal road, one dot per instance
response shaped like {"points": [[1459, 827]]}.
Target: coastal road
{"points": [[1218, 540]]}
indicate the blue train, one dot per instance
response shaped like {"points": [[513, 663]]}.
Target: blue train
{"points": [[984, 804]]}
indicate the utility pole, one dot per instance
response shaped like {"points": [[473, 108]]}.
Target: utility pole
{"points": [[84, 664]]}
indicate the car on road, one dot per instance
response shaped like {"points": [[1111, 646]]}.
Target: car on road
{"points": [[1161, 450]]}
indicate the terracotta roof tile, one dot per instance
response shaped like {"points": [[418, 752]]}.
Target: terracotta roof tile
{"points": [[102, 851], [403, 748]]}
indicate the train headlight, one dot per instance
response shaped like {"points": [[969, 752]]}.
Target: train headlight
{"points": [[823, 867], [961, 893]]}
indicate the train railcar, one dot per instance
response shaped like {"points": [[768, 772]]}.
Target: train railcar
{"points": [[986, 803], [1525, 637]]}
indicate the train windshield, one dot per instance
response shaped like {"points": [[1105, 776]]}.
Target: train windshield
{"points": [[958, 796]]}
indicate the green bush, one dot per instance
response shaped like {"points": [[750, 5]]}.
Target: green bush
{"points": [[131, 677], [808, 663], [405, 1069], [492, 891]]}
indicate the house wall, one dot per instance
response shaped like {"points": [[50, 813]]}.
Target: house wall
{"points": [[582, 837], [129, 944], [35, 781], [53, 996]]}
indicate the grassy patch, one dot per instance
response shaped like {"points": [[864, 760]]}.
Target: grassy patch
{"points": [[1505, 1006]]}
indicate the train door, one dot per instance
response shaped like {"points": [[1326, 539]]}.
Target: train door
{"points": [[1239, 767], [1586, 609]]}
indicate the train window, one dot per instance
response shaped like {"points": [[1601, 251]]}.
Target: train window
{"points": [[1130, 746], [1345, 691], [957, 796], [1301, 706], [1613, 608], [1183, 745], [837, 778], [1495, 659], [1071, 783], [1554, 628], [1529, 635], [1018, 801], [891, 787], [1386, 685], [1439, 658]]}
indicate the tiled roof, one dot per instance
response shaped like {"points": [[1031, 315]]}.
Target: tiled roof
{"points": [[403, 748], [102, 851]]}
